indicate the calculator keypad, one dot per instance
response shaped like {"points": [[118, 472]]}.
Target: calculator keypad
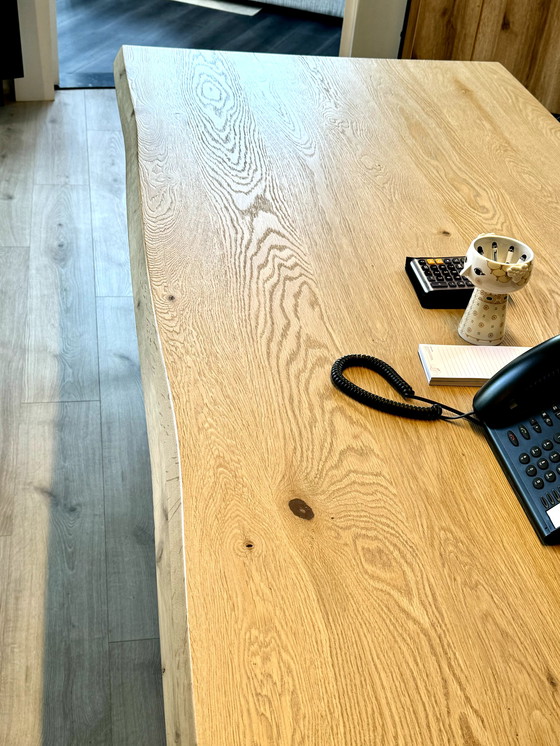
{"points": [[437, 281], [530, 454], [443, 272]]}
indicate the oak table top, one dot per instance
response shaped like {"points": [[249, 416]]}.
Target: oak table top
{"points": [[351, 578]]}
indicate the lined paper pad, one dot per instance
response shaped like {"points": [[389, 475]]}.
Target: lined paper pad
{"points": [[464, 365]]}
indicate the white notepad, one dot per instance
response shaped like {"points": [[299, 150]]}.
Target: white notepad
{"points": [[464, 365]]}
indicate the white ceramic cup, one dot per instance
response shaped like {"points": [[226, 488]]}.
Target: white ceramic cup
{"points": [[497, 266]]}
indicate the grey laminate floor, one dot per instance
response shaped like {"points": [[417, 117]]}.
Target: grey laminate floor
{"points": [[79, 652], [91, 32]]}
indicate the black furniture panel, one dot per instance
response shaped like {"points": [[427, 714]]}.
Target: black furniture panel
{"points": [[11, 62]]}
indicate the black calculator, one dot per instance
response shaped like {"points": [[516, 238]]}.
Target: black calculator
{"points": [[437, 281]]}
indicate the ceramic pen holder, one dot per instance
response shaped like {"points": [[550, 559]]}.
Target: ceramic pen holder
{"points": [[497, 266]]}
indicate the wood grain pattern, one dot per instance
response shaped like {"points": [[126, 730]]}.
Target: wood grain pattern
{"points": [[108, 213], [54, 651], [13, 313], [512, 34], [272, 202], [442, 29], [61, 360], [137, 715], [61, 144], [131, 578], [18, 135], [518, 34], [164, 459], [543, 77]]}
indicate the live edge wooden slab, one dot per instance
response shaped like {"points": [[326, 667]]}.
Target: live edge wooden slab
{"points": [[328, 574]]}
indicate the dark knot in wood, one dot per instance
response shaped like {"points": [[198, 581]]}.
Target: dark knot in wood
{"points": [[301, 509]]}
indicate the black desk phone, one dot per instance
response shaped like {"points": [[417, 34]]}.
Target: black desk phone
{"points": [[519, 409]]}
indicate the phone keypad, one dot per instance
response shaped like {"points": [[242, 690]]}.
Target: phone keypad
{"points": [[535, 425], [530, 453], [536, 453]]}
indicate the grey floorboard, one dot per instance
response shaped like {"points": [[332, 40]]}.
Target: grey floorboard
{"points": [[18, 135], [58, 670], [13, 311], [54, 683], [61, 141], [108, 212], [76, 690], [136, 694], [90, 34], [131, 574], [5, 558], [61, 362], [101, 110], [77, 694]]}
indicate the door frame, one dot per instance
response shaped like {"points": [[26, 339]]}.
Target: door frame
{"points": [[372, 28], [37, 19]]}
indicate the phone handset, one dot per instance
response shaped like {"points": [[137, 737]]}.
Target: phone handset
{"points": [[526, 384]]}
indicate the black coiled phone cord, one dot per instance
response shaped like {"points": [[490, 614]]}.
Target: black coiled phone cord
{"points": [[401, 409]]}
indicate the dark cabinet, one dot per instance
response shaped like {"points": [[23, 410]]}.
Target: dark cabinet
{"points": [[11, 62]]}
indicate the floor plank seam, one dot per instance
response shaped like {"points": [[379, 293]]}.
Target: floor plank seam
{"points": [[61, 401], [135, 639], [66, 184], [101, 418]]}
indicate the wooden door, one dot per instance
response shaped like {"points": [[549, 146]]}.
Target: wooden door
{"points": [[521, 34]]}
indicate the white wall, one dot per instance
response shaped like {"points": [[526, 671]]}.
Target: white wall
{"points": [[372, 28], [37, 20]]}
